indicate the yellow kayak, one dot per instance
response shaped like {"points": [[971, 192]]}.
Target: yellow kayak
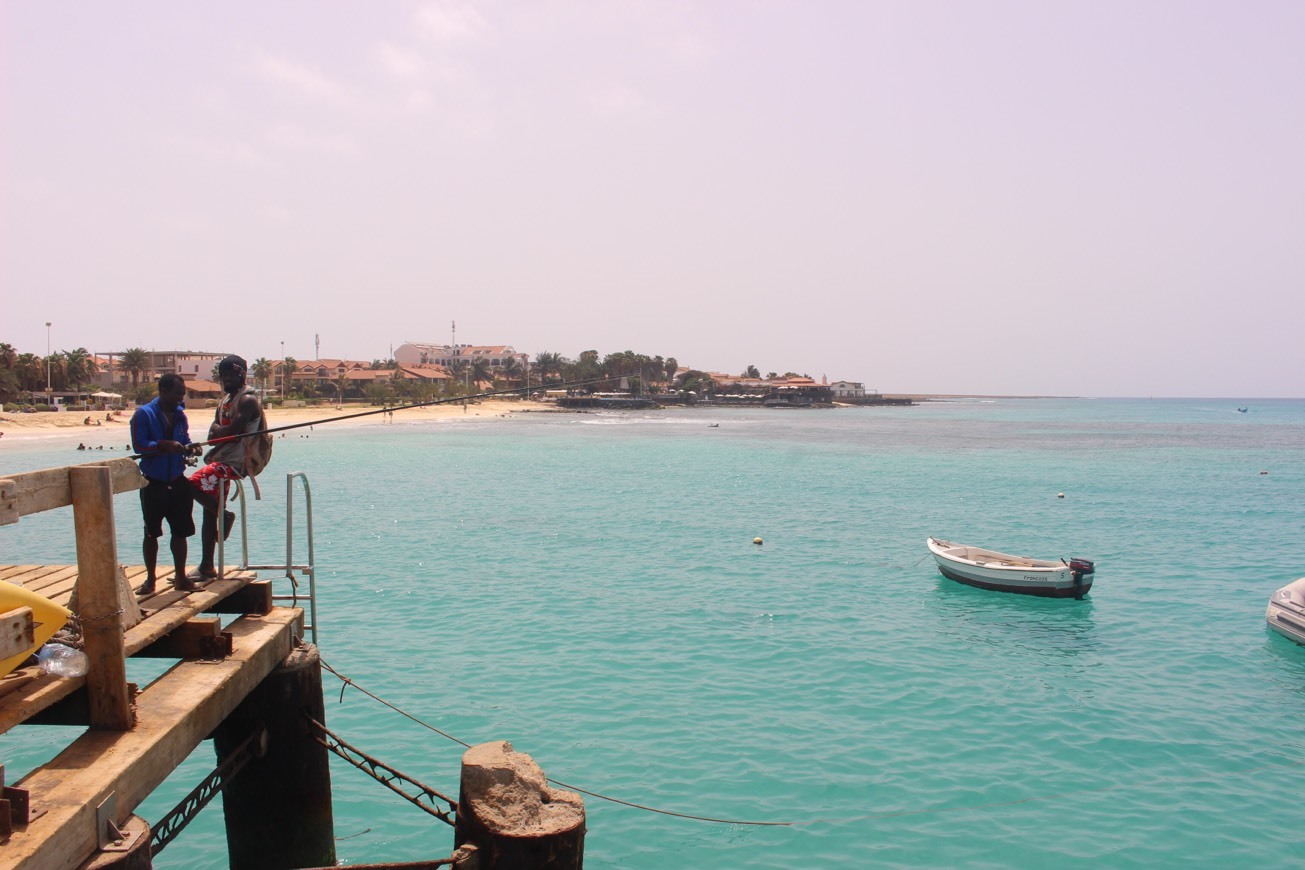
{"points": [[48, 616]]}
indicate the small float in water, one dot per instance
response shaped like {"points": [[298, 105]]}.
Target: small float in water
{"points": [[1002, 572], [1286, 613]]}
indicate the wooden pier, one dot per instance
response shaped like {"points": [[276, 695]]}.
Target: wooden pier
{"points": [[250, 683], [78, 806]]}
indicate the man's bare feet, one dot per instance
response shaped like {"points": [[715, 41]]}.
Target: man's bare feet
{"points": [[145, 589]]}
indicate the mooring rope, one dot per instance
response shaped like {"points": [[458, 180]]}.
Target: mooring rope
{"points": [[895, 814], [349, 682]]}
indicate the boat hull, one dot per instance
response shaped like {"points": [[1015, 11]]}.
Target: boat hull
{"points": [[1286, 611], [1000, 572], [1041, 587]]}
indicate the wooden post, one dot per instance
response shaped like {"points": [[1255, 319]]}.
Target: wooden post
{"points": [[278, 808], [97, 584], [514, 818]]}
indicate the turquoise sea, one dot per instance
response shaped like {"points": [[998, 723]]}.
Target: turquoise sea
{"points": [[586, 586]]}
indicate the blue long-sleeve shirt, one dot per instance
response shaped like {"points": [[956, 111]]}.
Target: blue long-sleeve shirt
{"points": [[148, 428]]}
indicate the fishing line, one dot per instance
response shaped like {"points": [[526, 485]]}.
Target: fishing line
{"points": [[896, 814], [390, 410]]}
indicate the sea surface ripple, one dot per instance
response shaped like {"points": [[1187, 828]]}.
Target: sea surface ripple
{"points": [[586, 586]]}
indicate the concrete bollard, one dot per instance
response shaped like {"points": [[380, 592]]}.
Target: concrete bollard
{"points": [[507, 809]]}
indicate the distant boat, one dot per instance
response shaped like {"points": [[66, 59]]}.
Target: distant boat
{"points": [[988, 569], [1242, 410], [1286, 613]]}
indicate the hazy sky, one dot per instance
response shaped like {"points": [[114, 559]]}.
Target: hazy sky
{"points": [[1074, 198]]}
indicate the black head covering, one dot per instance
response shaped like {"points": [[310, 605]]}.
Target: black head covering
{"points": [[234, 364]]}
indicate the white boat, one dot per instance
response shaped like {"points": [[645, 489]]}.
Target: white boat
{"points": [[988, 569], [1286, 613]]}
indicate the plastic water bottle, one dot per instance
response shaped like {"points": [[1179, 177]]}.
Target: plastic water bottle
{"points": [[62, 661]]}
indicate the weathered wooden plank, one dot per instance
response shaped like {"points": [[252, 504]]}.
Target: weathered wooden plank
{"points": [[97, 589], [254, 598], [174, 714], [9, 572], [8, 501], [36, 491], [163, 621], [193, 639], [16, 680], [49, 577], [46, 690], [29, 573], [17, 632], [42, 691]]}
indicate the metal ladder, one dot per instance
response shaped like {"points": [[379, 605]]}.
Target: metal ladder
{"points": [[307, 570]]}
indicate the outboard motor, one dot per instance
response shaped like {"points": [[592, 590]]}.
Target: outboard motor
{"points": [[1082, 566], [1078, 569]]}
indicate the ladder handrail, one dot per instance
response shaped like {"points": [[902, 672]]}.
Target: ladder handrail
{"points": [[308, 569], [290, 565]]}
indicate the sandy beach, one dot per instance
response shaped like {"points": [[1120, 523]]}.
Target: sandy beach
{"points": [[71, 426]]}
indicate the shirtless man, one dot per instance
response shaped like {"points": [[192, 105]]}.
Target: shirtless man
{"points": [[240, 412]]}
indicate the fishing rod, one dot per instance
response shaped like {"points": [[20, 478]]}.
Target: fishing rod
{"points": [[390, 410]]}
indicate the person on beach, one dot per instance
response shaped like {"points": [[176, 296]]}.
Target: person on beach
{"points": [[240, 413], [160, 434]]}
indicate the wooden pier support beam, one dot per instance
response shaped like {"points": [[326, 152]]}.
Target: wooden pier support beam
{"points": [[507, 809], [278, 809], [98, 606]]}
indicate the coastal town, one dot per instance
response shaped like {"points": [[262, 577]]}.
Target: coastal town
{"points": [[80, 380]]}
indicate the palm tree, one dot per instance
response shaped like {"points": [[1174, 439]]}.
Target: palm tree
{"points": [[547, 363], [8, 384], [341, 384], [511, 369], [262, 370], [751, 372], [30, 370], [81, 367], [458, 368], [8, 356], [672, 366], [135, 362], [480, 370], [287, 372]]}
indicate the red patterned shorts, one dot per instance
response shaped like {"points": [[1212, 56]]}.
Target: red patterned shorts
{"points": [[206, 479]]}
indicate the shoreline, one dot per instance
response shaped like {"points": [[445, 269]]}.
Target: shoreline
{"points": [[68, 426]]}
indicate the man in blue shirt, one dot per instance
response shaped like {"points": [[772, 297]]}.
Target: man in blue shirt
{"points": [[161, 435]]}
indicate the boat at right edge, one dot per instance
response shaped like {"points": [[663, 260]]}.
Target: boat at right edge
{"points": [[1286, 612]]}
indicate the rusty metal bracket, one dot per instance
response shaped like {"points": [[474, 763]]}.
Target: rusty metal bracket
{"points": [[217, 647], [108, 836], [15, 807]]}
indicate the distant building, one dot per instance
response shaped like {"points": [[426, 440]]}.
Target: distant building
{"points": [[189, 364], [847, 390], [449, 355]]}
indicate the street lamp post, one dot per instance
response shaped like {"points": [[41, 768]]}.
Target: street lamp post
{"points": [[49, 394]]}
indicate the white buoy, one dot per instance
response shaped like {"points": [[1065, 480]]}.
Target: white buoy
{"points": [[1060, 495], [756, 540]]}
